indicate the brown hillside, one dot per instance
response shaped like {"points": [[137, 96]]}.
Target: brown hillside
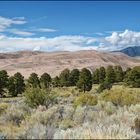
{"points": [[27, 62]]}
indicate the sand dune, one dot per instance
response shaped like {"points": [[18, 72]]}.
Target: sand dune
{"points": [[27, 62]]}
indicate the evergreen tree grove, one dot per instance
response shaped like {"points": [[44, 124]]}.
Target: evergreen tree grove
{"points": [[102, 74], [110, 75], [118, 74], [56, 81], [65, 78], [33, 80], [45, 80], [132, 77], [126, 71], [74, 77], [85, 80], [3, 81], [95, 76], [16, 84]]}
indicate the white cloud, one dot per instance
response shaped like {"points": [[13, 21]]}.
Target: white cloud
{"points": [[45, 30], [92, 40], [21, 33], [60, 43], [115, 41], [122, 40], [7, 22]]}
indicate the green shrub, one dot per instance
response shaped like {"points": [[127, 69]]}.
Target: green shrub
{"points": [[121, 96], [66, 123], [104, 85], [85, 99], [3, 107], [38, 96]]}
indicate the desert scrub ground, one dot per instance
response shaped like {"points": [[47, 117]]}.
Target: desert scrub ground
{"points": [[112, 114]]}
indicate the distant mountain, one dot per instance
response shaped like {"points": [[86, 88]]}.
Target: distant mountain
{"points": [[27, 62], [131, 51]]}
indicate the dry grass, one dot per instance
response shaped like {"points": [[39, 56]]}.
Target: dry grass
{"points": [[104, 120]]}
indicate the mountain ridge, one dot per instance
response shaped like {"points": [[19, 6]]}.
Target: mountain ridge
{"points": [[131, 51]]}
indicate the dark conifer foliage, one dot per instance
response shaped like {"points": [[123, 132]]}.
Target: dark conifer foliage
{"points": [[56, 82], [110, 75], [95, 76], [46, 80], [33, 80], [74, 77], [65, 78], [118, 73], [85, 80], [132, 77], [16, 84], [3, 81], [102, 74]]}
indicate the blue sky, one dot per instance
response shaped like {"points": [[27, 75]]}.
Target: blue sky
{"points": [[79, 25]]}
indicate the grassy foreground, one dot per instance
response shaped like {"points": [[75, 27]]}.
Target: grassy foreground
{"points": [[111, 114]]}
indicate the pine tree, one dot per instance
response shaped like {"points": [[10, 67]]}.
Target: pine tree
{"points": [[95, 76], [102, 74], [118, 73], [45, 80], [3, 81], [65, 78], [33, 80], [16, 84], [74, 77], [11, 86], [110, 75], [126, 71], [85, 80], [56, 81], [133, 77]]}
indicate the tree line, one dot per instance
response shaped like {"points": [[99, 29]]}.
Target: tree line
{"points": [[83, 79]]}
